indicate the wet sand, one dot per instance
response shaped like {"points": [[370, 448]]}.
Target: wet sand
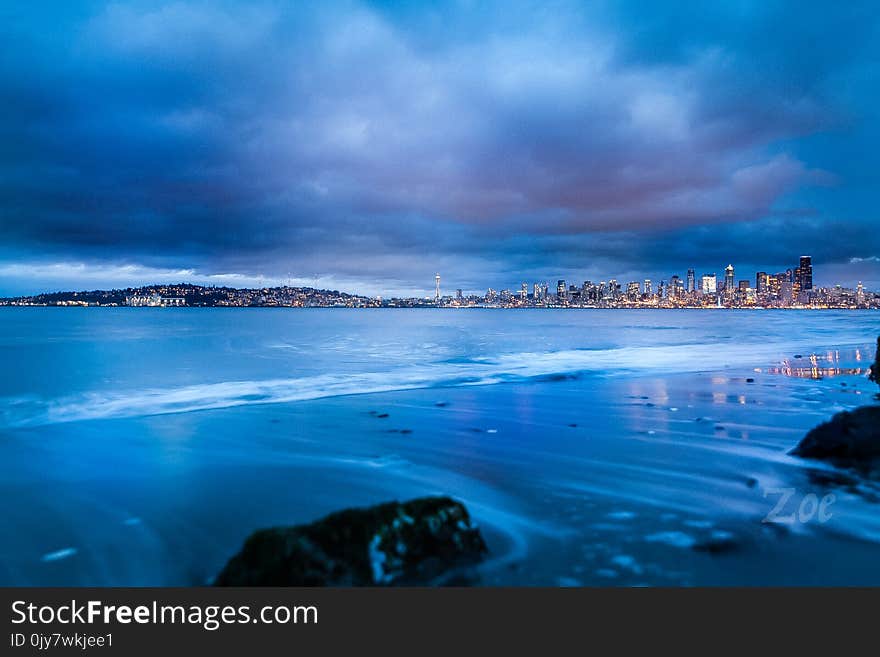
{"points": [[586, 479]]}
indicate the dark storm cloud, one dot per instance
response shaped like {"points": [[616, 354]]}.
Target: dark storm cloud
{"points": [[377, 142]]}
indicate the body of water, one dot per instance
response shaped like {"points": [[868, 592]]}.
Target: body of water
{"points": [[620, 447]]}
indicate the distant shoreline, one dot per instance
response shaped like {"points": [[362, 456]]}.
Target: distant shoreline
{"points": [[186, 295], [431, 307]]}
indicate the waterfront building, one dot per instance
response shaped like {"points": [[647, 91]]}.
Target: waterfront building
{"points": [[614, 289], [776, 281], [786, 292], [154, 301], [691, 282], [805, 273], [709, 284], [632, 290], [762, 282], [729, 281]]}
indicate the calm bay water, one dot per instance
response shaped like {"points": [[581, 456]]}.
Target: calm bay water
{"points": [[140, 446]]}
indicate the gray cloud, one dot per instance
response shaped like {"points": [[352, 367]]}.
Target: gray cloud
{"points": [[377, 144]]}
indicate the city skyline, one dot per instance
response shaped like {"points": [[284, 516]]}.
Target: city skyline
{"points": [[690, 281], [791, 288], [135, 278], [366, 145]]}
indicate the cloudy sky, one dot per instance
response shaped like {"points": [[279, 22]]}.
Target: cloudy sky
{"points": [[367, 145]]}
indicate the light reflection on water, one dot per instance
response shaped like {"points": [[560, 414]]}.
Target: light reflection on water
{"points": [[820, 366]]}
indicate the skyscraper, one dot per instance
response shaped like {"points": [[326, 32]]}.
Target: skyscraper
{"points": [[560, 289], [691, 281], [762, 282], [710, 285], [437, 287], [632, 290], [805, 273], [775, 283], [674, 287], [614, 289], [729, 280], [524, 291], [648, 290]]}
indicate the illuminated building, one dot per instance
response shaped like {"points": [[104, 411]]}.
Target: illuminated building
{"points": [[762, 282], [632, 290], [805, 273], [709, 284], [729, 280]]}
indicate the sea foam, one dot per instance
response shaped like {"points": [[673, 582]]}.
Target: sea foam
{"points": [[504, 368]]}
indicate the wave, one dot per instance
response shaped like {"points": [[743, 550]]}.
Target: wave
{"points": [[505, 368]]}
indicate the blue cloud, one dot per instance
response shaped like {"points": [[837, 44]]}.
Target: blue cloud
{"points": [[375, 142]]}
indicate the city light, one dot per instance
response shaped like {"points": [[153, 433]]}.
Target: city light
{"points": [[792, 288]]}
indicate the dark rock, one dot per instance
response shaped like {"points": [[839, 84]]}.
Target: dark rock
{"points": [[798, 356], [750, 380], [442, 404], [406, 431], [414, 542], [751, 482], [555, 378], [382, 415], [849, 440], [718, 543], [573, 425]]}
